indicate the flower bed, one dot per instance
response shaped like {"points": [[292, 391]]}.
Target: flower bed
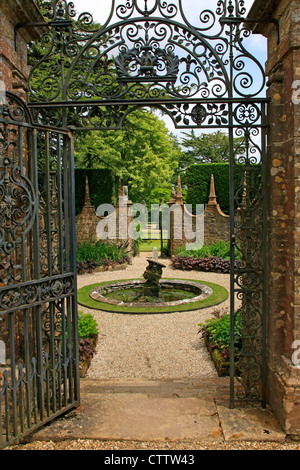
{"points": [[87, 349], [212, 264], [216, 334], [90, 266], [88, 338], [211, 258], [101, 256]]}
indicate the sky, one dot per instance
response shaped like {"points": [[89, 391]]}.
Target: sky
{"points": [[100, 10]]}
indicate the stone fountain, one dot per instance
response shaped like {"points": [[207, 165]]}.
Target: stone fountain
{"points": [[152, 275], [152, 294]]}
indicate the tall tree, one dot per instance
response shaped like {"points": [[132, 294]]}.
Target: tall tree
{"points": [[206, 148], [143, 153]]}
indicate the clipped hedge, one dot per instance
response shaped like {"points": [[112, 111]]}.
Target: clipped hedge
{"points": [[102, 187], [197, 180]]}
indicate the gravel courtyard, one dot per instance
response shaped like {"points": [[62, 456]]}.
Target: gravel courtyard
{"points": [[151, 346]]}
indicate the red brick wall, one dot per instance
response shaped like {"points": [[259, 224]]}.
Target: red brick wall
{"points": [[14, 70], [283, 173]]}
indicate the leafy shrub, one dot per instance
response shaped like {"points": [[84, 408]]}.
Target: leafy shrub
{"points": [[87, 332], [220, 249], [212, 264], [99, 252], [86, 349], [86, 266], [87, 325], [217, 331], [91, 255]]}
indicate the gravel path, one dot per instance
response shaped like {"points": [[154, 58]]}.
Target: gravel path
{"points": [[151, 346], [88, 444]]}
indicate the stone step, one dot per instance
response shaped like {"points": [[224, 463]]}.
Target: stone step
{"points": [[156, 410]]}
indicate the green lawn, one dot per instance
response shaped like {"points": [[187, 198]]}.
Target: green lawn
{"points": [[219, 295], [148, 245]]}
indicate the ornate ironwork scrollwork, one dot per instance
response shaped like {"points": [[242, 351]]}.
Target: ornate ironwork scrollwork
{"points": [[152, 52], [249, 241], [146, 60], [19, 296], [17, 196]]}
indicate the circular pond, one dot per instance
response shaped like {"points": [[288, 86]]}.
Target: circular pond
{"points": [[128, 296]]}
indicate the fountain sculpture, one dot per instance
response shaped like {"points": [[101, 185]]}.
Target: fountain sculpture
{"points": [[153, 273], [152, 293]]}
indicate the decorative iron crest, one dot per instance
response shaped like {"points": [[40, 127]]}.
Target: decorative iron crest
{"points": [[146, 51], [147, 64]]}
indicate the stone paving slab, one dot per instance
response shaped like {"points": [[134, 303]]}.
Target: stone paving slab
{"points": [[161, 410], [249, 424]]}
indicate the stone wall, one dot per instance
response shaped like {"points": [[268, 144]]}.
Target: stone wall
{"points": [[14, 70], [283, 179], [87, 221], [14, 73], [215, 224]]}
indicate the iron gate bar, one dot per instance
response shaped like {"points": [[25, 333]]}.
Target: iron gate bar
{"points": [[232, 262], [41, 377], [141, 102], [264, 251]]}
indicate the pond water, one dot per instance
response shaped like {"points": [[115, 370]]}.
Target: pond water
{"points": [[136, 295]]}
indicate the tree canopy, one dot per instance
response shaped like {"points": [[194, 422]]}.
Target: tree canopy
{"points": [[143, 153], [206, 148]]}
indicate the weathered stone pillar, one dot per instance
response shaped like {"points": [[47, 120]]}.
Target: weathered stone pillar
{"points": [[119, 221], [14, 70], [283, 179], [87, 220], [216, 223], [14, 73], [176, 221]]}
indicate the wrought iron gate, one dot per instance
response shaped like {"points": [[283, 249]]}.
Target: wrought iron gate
{"points": [[38, 318], [90, 77]]}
